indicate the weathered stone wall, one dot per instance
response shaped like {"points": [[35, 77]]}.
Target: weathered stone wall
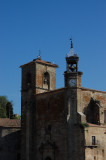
{"points": [[51, 126], [28, 69], [28, 126], [51, 121], [62, 117], [40, 70], [75, 134], [87, 94], [32, 84], [98, 151], [76, 143], [95, 151], [10, 143]]}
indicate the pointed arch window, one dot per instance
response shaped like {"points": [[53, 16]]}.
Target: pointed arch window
{"points": [[46, 80]]}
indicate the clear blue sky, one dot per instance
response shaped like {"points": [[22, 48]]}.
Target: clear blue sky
{"points": [[29, 25]]}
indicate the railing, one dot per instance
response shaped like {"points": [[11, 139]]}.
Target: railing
{"points": [[92, 145]]}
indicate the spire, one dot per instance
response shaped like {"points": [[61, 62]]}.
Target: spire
{"points": [[71, 52], [71, 43], [72, 59]]}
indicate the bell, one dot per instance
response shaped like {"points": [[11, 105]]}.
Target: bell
{"points": [[72, 68]]}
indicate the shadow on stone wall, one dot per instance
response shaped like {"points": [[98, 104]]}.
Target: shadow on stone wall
{"points": [[10, 144], [92, 112]]}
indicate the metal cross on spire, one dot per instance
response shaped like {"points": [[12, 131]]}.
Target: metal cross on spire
{"points": [[71, 43], [39, 56]]}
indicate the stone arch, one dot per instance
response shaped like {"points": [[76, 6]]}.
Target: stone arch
{"points": [[92, 112], [46, 80], [48, 158]]}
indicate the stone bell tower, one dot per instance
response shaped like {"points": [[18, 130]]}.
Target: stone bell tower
{"points": [[73, 81], [73, 105], [72, 75], [38, 76]]}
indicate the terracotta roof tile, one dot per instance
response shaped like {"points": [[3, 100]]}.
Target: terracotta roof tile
{"points": [[6, 122], [41, 62]]}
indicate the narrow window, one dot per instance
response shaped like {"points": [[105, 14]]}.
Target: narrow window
{"points": [[103, 152], [104, 116], [46, 80], [49, 128], [93, 140], [48, 106], [28, 79]]}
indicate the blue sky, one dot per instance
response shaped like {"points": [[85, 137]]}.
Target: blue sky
{"points": [[27, 26]]}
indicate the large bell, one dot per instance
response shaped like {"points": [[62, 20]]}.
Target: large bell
{"points": [[72, 68]]}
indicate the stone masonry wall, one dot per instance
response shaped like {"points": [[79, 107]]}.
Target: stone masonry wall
{"points": [[40, 70], [10, 143], [87, 94], [51, 126], [97, 151]]}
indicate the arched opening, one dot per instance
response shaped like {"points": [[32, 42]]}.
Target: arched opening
{"points": [[46, 80], [92, 112], [48, 158]]}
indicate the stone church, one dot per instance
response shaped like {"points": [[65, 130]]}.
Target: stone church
{"points": [[59, 124]]}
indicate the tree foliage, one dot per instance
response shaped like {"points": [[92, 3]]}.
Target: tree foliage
{"points": [[17, 116], [9, 110], [6, 108], [2, 113]]}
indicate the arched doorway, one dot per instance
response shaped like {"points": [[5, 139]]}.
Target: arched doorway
{"points": [[48, 158]]}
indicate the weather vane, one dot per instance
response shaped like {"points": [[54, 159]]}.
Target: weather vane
{"points": [[39, 56]]}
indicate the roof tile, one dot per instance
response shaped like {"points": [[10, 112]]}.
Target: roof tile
{"points": [[6, 122]]}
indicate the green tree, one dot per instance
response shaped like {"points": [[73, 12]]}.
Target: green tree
{"points": [[3, 101], [9, 110], [2, 113], [6, 108], [17, 116]]}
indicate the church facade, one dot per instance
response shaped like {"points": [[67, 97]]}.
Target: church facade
{"points": [[61, 124]]}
